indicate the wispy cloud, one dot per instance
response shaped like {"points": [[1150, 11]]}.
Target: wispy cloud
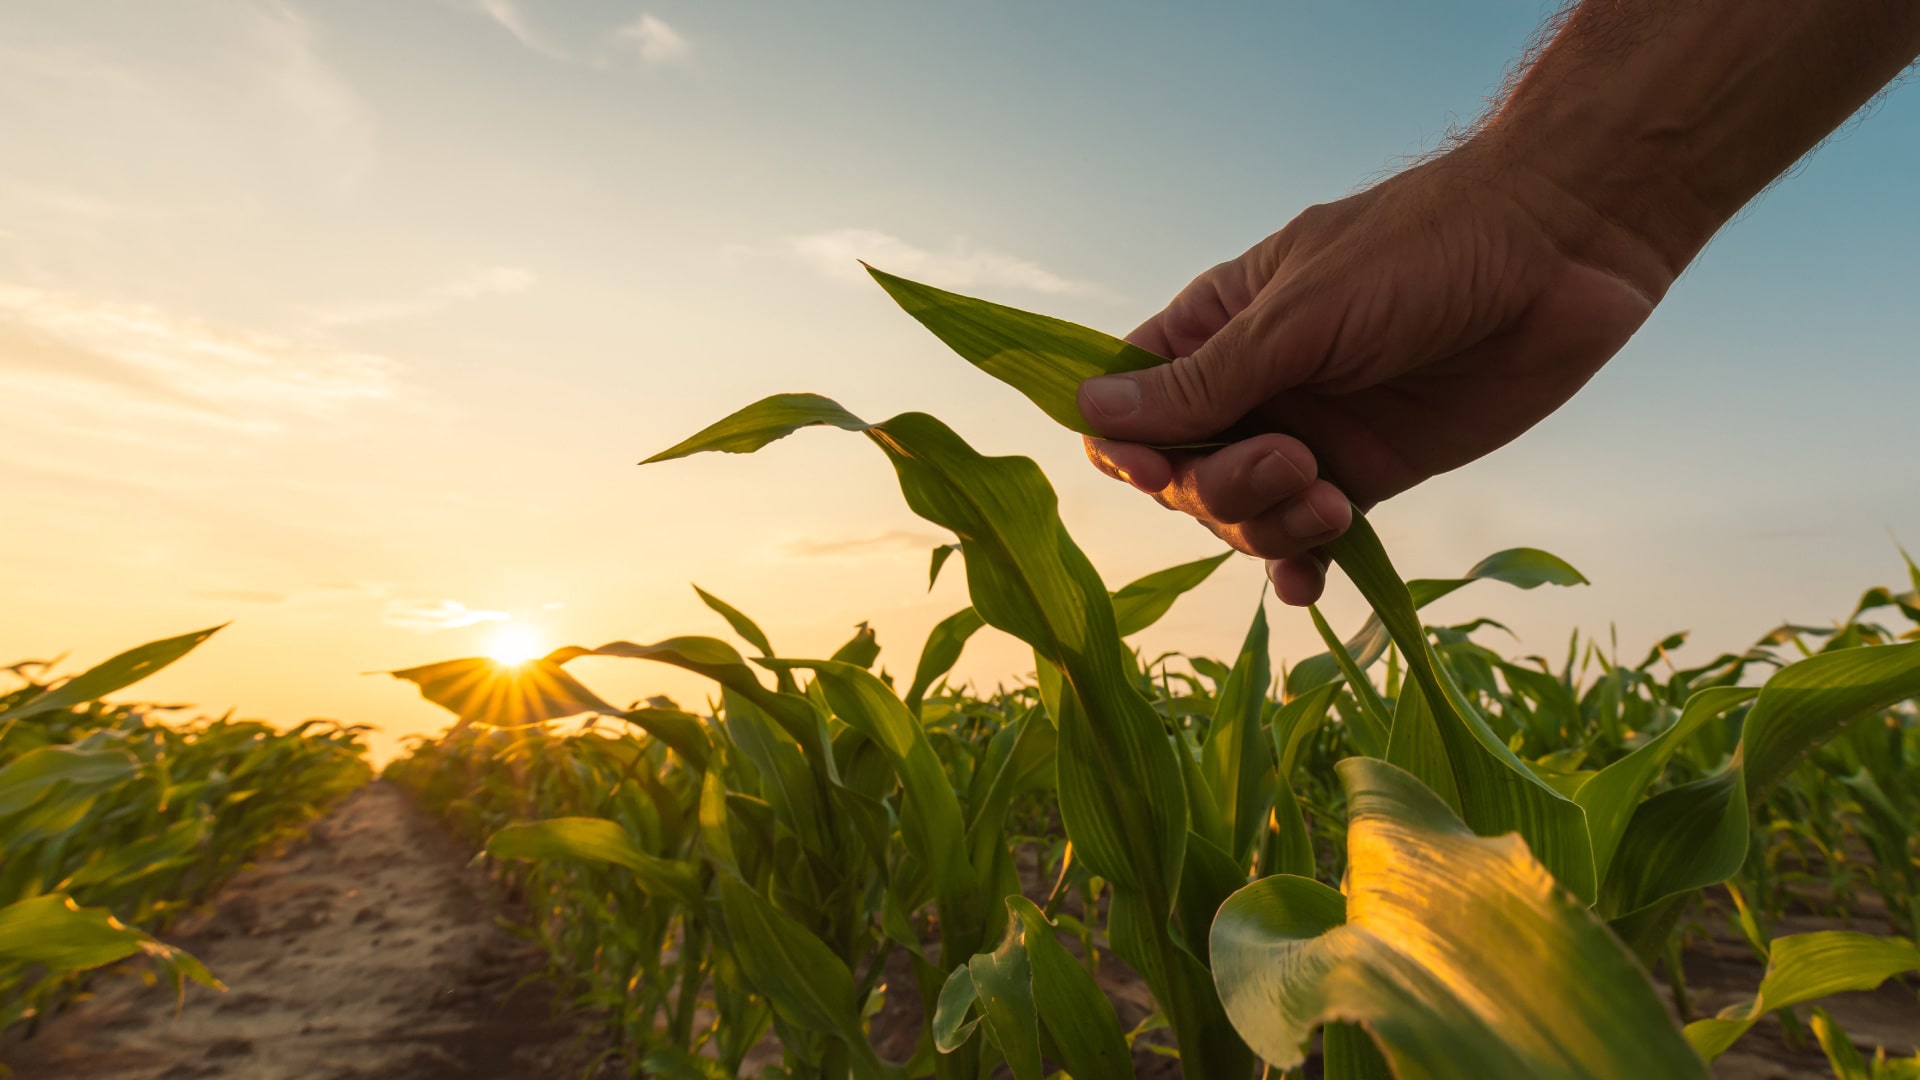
{"points": [[653, 40], [837, 253], [832, 547], [335, 124], [232, 100], [427, 616], [138, 371], [647, 38], [474, 284]]}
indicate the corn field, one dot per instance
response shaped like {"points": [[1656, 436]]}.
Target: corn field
{"points": [[115, 819], [1407, 856]]}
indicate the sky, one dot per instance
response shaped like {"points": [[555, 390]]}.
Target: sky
{"points": [[346, 323]]}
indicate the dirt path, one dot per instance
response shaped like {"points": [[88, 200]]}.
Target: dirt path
{"points": [[370, 951]]}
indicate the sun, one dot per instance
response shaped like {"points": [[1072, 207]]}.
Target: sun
{"points": [[514, 645]]}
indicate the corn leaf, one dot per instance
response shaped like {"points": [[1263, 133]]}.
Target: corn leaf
{"points": [[596, 840], [1697, 834], [1078, 1016], [481, 690], [1236, 760], [942, 650], [1044, 358], [1523, 568], [806, 983], [1497, 792], [930, 815], [28, 778], [116, 673], [1139, 604], [761, 423], [1611, 795], [1121, 793], [1803, 967], [55, 932], [1460, 953], [748, 630]]}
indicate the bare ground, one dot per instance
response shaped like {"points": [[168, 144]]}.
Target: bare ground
{"points": [[369, 951]]}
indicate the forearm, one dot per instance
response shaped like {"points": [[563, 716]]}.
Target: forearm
{"points": [[1664, 117]]}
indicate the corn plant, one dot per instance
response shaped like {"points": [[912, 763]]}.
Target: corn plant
{"points": [[1513, 841], [112, 822]]}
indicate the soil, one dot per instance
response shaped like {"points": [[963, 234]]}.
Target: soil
{"points": [[373, 950], [368, 951]]}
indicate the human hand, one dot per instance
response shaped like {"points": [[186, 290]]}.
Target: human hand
{"points": [[1381, 339]]}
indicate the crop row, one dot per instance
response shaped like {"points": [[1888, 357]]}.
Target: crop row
{"points": [[116, 819]]}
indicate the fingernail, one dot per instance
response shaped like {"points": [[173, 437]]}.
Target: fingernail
{"points": [[1114, 397], [1302, 522], [1276, 476]]}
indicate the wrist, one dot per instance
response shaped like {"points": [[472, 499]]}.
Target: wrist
{"points": [[1641, 235]]}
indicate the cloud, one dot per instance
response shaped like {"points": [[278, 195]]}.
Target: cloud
{"points": [[648, 37], [508, 15], [222, 105], [334, 123], [427, 616], [837, 253], [142, 373], [475, 284], [654, 40], [896, 540]]}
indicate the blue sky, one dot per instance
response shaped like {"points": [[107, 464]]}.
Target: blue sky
{"points": [[347, 322]]}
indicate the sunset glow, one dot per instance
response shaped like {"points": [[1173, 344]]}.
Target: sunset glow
{"points": [[513, 645]]}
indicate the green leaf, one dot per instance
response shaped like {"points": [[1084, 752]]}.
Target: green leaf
{"points": [[1085, 1031], [1498, 793], [683, 731], [861, 650], [1121, 793], [718, 661], [1803, 967], [930, 816], [748, 630], [1120, 785], [592, 839], [1459, 952], [53, 931], [28, 778], [1842, 1055], [1373, 723], [1611, 795], [942, 651], [940, 556], [1804, 704], [481, 690], [1042, 357], [806, 983], [1420, 747], [762, 422], [1004, 982], [115, 674], [1684, 838], [1294, 724], [1697, 834], [1139, 604], [1523, 568], [1236, 759]]}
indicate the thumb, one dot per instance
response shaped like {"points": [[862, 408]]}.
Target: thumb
{"points": [[1195, 397]]}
